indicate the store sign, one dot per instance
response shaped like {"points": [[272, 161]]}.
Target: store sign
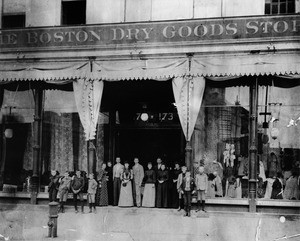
{"points": [[117, 35], [156, 117]]}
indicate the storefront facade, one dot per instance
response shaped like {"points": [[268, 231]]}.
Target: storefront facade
{"points": [[206, 91]]}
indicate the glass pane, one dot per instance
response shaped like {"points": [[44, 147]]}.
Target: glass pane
{"points": [[224, 123], [16, 117], [267, 8], [13, 21], [275, 2], [282, 7], [275, 9], [291, 7]]}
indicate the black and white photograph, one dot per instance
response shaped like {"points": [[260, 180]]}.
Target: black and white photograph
{"points": [[149, 120]]}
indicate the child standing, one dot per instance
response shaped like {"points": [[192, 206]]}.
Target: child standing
{"points": [[92, 192], [77, 186], [187, 187], [63, 190], [179, 182], [53, 186], [201, 184]]}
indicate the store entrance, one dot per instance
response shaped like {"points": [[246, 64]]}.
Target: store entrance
{"points": [[148, 144], [146, 123]]}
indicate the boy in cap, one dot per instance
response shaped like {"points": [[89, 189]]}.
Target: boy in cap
{"points": [[63, 190], [92, 188], [187, 188], [77, 186]]}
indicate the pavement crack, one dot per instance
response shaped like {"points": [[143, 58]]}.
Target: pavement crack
{"points": [[258, 228]]}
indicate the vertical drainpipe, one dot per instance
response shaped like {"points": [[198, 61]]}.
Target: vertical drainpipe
{"points": [[37, 142], [253, 94]]}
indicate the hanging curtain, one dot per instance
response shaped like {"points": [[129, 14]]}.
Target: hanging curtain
{"points": [[88, 94], [188, 92]]}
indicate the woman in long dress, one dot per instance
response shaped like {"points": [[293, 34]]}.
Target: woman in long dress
{"points": [[174, 202], [162, 187], [126, 197], [102, 187], [149, 191]]}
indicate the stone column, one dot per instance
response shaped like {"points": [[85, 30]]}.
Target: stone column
{"points": [[253, 99], [37, 142]]}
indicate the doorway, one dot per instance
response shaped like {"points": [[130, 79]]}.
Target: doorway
{"points": [[158, 136], [149, 144]]}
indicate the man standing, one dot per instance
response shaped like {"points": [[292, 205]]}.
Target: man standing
{"points": [[158, 166], [181, 176], [187, 188], [138, 176], [117, 172], [110, 183], [77, 186]]}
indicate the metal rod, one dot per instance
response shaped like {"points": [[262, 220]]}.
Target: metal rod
{"points": [[253, 94]]}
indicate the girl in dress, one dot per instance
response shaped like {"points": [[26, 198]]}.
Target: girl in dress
{"points": [[102, 199], [126, 198], [149, 191]]}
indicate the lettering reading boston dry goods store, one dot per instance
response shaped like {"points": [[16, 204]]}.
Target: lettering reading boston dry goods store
{"points": [[154, 32]]}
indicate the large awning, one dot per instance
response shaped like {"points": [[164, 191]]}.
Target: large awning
{"points": [[155, 68], [22, 70], [246, 65], [158, 69], [188, 74]]}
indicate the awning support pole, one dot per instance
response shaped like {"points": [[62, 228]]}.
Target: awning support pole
{"points": [[37, 142], [91, 156], [188, 156], [253, 94]]}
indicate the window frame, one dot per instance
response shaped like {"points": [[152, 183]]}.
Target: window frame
{"points": [[62, 13], [23, 14], [270, 4]]}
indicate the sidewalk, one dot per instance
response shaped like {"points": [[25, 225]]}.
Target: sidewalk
{"points": [[29, 222]]}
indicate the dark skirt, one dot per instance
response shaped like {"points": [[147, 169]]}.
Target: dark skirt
{"points": [[110, 191], [175, 196], [102, 195], [162, 195]]}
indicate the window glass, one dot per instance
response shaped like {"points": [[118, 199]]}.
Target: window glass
{"points": [[73, 12], [279, 6], [13, 21]]}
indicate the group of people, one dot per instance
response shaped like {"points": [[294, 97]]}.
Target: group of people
{"points": [[125, 186], [61, 186]]}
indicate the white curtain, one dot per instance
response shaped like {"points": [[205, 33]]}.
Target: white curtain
{"points": [[88, 94], [188, 93]]}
